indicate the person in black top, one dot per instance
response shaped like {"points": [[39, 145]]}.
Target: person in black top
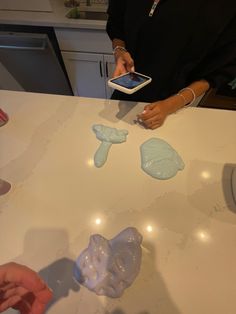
{"points": [[186, 46]]}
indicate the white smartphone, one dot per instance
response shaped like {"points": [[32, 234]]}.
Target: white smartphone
{"points": [[129, 82]]}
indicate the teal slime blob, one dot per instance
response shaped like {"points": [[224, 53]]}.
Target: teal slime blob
{"points": [[159, 159], [107, 136]]}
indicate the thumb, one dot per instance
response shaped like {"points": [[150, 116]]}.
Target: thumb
{"points": [[146, 109], [130, 67], [149, 107], [129, 62], [120, 69]]}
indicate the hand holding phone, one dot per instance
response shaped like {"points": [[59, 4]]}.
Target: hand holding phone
{"points": [[129, 82]]}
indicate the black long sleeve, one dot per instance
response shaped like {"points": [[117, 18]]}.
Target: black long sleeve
{"points": [[115, 23], [219, 65]]}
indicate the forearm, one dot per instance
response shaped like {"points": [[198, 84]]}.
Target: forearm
{"points": [[187, 95]]}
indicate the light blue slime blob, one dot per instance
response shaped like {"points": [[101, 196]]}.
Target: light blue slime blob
{"points": [[107, 136], [159, 159]]}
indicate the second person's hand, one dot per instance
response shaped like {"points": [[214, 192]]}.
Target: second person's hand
{"points": [[21, 288]]}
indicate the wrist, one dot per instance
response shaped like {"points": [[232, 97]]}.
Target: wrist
{"points": [[167, 105], [119, 48], [181, 100], [173, 103], [119, 51]]}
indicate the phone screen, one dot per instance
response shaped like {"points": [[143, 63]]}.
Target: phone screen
{"points": [[130, 80]]}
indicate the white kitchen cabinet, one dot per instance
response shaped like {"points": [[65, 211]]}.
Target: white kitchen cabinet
{"points": [[88, 73], [88, 58]]}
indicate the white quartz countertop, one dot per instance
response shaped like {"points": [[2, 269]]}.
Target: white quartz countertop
{"points": [[58, 199], [56, 18]]}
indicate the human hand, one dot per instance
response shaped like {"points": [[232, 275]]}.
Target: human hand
{"points": [[22, 289], [124, 63], [154, 114]]}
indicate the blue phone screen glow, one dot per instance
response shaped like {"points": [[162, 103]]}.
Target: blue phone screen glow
{"points": [[130, 80]]}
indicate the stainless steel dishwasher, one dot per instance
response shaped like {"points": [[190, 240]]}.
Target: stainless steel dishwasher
{"points": [[30, 61]]}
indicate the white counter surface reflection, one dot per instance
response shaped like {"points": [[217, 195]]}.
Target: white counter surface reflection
{"points": [[58, 198]]}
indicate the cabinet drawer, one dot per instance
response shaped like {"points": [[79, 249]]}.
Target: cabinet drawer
{"points": [[83, 40]]}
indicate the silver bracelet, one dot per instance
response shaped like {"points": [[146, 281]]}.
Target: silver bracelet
{"points": [[185, 100], [119, 48], [192, 91]]}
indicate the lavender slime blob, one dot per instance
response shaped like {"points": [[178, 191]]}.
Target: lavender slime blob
{"points": [[108, 267], [107, 136], [159, 159]]}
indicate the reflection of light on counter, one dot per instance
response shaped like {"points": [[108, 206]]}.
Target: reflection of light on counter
{"points": [[203, 236], [205, 174], [90, 162], [98, 221], [149, 228]]}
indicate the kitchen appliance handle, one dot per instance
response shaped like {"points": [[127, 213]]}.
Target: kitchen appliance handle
{"points": [[21, 42]]}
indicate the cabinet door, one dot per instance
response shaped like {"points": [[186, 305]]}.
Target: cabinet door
{"points": [[109, 67], [86, 73]]}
